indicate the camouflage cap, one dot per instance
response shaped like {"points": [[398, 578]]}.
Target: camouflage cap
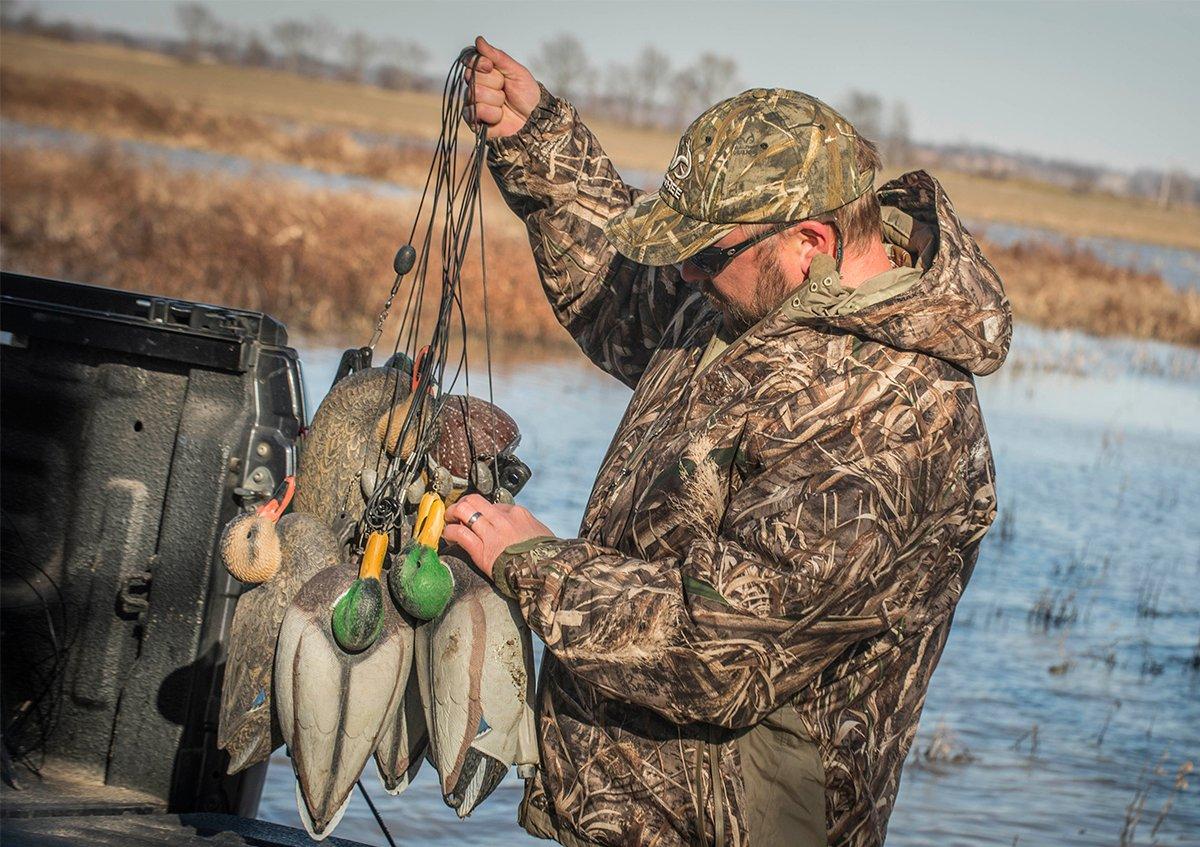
{"points": [[766, 155]]}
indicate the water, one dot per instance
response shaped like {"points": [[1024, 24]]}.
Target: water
{"points": [[1178, 266], [187, 159], [1097, 449]]}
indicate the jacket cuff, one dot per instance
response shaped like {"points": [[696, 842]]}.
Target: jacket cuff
{"points": [[516, 556], [551, 116], [532, 572]]}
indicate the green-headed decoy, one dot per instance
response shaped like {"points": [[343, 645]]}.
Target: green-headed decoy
{"points": [[474, 666], [332, 704], [420, 583]]}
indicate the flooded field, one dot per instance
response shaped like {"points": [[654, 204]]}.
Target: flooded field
{"points": [[1068, 698], [1177, 265]]}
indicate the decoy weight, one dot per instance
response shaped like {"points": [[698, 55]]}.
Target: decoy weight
{"points": [[406, 257]]}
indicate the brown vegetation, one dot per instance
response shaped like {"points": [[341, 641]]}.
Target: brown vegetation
{"points": [[320, 261], [115, 111], [1069, 288]]}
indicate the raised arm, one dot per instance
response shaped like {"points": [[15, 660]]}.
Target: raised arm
{"points": [[554, 175]]}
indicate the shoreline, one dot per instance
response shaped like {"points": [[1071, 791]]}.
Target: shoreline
{"points": [[319, 259]]}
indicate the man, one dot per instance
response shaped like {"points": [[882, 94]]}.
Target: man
{"points": [[740, 640]]}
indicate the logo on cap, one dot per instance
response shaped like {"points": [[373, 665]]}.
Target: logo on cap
{"points": [[680, 168], [681, 165]]}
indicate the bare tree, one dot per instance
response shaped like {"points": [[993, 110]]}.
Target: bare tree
{"points": [[865, 111], [404, 66], [358, 49], [200, 28], [622, 93], [653, 71], [323, 42], [14, 13], [295, 40], [709, 79], [255, 53], [563, 66], [898, 146]]}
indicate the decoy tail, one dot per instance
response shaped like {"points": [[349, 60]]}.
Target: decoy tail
{"points": [[306, 817]]}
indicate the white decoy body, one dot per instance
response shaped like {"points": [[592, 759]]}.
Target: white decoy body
{"points": [[332, 705], [474, 665]]}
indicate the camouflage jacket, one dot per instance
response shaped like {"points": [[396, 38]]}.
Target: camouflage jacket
{"points": [[780, 538]]}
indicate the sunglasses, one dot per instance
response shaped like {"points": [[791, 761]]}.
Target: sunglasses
{"points": [[712, 260]]}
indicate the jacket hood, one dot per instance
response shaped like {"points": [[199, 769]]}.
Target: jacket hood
{"points": [[958, 310]]}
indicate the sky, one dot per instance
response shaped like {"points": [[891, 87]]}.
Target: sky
{"points": [[1102, 83]]}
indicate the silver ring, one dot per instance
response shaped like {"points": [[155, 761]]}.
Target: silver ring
{"points": [[471, 520]]}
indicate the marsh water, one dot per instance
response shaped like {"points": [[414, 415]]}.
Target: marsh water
{"points": [[1068, 697]]}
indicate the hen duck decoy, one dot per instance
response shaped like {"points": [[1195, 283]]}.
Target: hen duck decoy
{"points": [[475, 447], [283, 553], [342, 454]]}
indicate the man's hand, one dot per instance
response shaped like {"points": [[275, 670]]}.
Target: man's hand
{"points": [[498, 526], [501, 93]]}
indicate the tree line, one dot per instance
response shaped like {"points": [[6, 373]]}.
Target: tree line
{"points": [[648, 91]]}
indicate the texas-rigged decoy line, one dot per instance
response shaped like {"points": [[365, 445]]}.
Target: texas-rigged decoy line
{"points": [[363, 634]]}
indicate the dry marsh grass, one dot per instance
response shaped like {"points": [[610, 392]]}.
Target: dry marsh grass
{"points": [[320, 260], [119, 112], [1069, 288], [223, 97]]}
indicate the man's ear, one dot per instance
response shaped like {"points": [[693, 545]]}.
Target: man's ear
{"points": [[810, 239]]}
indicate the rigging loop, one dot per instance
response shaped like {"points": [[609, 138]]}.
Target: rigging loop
{"points": [[434, 257]]}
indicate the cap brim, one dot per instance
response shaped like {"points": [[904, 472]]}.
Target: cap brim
{"points": [[652, 233]]}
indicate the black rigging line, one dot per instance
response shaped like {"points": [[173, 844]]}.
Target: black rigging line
{"points": [[451, 202], [378, 818]]}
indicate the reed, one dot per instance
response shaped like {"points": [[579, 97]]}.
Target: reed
{"points": [[320, 260], [118, 112]]}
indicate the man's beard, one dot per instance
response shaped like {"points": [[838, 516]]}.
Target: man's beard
{"points": [[771, 289]]}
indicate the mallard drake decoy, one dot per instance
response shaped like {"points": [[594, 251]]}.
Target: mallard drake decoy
{"points": [[332, 704], [419, 582], [357, 617], [247, 729], [474, 665]]}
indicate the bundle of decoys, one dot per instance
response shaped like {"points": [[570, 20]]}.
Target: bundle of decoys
{"points": [[363, 635]]}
